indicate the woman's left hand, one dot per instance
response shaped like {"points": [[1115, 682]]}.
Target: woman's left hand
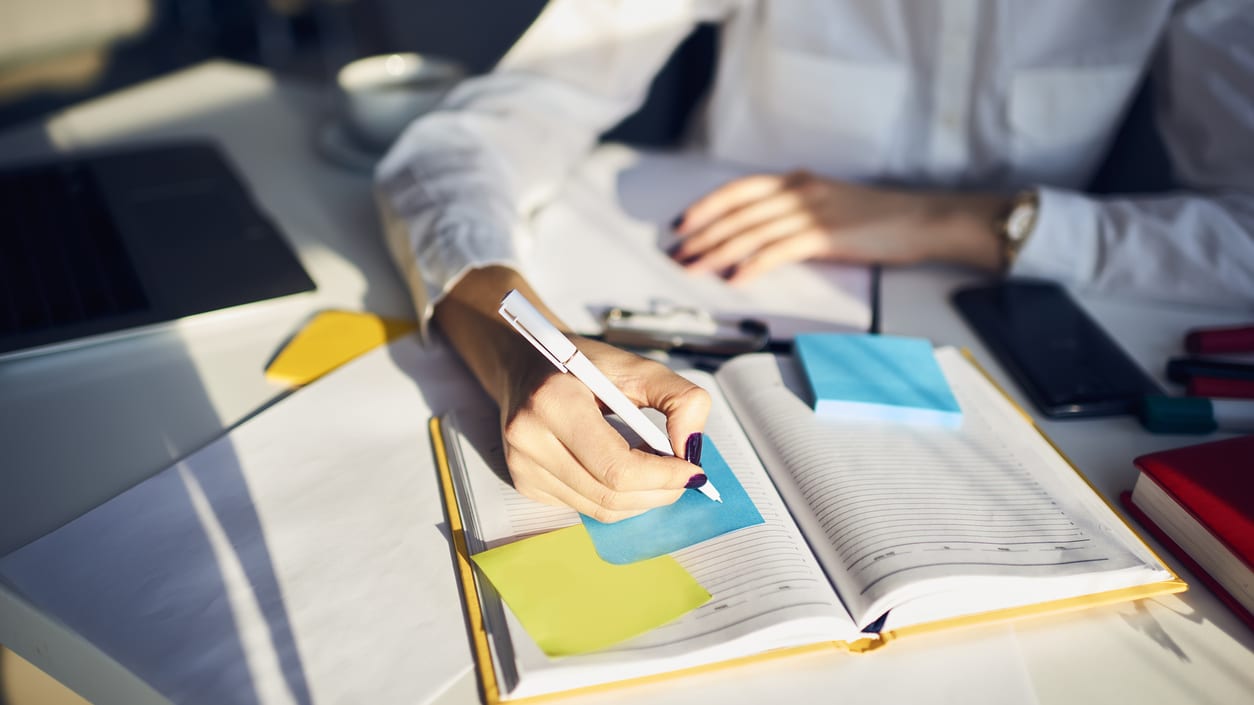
{"points": [[756, 223]]}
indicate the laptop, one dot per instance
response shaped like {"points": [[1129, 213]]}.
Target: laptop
{"points": [[96, 246]]}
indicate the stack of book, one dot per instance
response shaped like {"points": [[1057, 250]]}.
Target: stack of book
{"points": [[1198, 501]]}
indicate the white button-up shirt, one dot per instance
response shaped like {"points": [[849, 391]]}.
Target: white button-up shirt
{"points": [[960, 94]]}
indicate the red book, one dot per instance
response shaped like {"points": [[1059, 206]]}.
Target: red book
{"points": [[1220, 340], [1221, 387], [1198, 501]]}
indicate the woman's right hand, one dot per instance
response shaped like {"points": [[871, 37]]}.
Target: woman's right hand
{"points": [[559, 447]]}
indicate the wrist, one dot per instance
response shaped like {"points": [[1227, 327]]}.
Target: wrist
{"points": [[469, 318], [1016, 224], [965, 228]]}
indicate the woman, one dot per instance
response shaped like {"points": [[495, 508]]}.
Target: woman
{"points": [[889, 132]]}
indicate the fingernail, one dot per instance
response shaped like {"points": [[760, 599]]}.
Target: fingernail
{"points": [[674, 248], [729, 272], [677, 221], [692, 448], [696, 481]]}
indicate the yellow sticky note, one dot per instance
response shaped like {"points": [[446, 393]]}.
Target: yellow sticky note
{"points": [[331, 339], [572, 602]]}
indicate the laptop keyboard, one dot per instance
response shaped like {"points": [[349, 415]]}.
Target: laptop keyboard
{"points": [[61, 258]]}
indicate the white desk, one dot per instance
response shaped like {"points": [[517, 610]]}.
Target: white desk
{"points": [[78, 428]]}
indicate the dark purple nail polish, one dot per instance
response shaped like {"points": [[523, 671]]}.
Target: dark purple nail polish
{"points": [[696, 481], [729, 272], [692, 448], [674, 248], [678, 221]]}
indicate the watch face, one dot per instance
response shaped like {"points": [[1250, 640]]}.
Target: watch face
{"points": [[1019, 222]]}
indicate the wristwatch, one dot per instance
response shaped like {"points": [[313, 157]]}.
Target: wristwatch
{"points": [[1014, 227]]}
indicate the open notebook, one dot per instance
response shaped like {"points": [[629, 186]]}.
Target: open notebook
{"points": [[872, 531]]}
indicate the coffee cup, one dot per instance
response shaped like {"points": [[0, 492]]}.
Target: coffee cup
{"points": [[382, 94]]}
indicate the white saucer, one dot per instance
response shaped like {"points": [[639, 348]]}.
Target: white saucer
{"points": [[336, 145]]}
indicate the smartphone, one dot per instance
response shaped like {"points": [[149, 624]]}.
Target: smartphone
{"points": [[1064, 361]]}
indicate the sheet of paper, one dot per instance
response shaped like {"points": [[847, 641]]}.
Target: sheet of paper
{"points": [[603, 245], [689, 521], [301, 559], [572, 602]]}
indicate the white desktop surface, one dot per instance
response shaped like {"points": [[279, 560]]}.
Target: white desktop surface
{"points": [[79, 427]]}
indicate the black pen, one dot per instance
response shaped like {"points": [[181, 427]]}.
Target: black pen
{"points": [[1182, 369]]}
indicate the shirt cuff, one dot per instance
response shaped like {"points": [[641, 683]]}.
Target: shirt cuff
{"points": [[434, 253], [1064, 243]]}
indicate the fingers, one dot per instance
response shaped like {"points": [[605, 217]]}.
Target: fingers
{"points": [[726, 256], [561, 449], [798, 247], [556, 475], [610, 466], [538, 483], [650, 384], [685, 405], [738, 220], [771, 209], [727, 198]]}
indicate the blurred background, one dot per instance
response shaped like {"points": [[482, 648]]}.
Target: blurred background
{"points": [[54, 53]]}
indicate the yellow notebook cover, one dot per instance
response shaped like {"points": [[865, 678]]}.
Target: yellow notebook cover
{"points": [[483, 655], [329, 340]]}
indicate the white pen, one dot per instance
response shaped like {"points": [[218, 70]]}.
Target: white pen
{"points": [[550, 341]]}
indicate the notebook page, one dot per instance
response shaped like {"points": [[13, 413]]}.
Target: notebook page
{"points": [[913, 511], [767, 588]]}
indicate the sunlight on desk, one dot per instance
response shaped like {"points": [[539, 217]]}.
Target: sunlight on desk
{"points": [[23, 684], [263, 566], [114, 118]]}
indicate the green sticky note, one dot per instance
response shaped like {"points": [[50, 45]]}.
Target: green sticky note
{"points": [[572, 602]]}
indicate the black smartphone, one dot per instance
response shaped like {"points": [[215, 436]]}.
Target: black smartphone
{"points": [[1064, 361]]}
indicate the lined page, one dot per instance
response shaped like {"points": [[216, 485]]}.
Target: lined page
{"points": [[767, 588], [910, 510]]}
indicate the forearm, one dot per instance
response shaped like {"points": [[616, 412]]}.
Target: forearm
{"points": [[468, 317]]}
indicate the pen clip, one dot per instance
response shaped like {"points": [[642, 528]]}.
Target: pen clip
{"points": [[516, 309]]}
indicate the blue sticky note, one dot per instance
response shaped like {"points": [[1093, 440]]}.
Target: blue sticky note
{"points": [[691, 520], [876, 377]]}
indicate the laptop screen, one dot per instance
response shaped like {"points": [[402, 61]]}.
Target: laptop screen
{"points": [[117, 242]]}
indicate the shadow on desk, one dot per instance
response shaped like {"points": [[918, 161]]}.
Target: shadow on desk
{"points": [[176, 582], [162, 580]]}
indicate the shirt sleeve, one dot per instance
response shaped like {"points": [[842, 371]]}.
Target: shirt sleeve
{"points": [[456, 189], [1196, 245]]}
